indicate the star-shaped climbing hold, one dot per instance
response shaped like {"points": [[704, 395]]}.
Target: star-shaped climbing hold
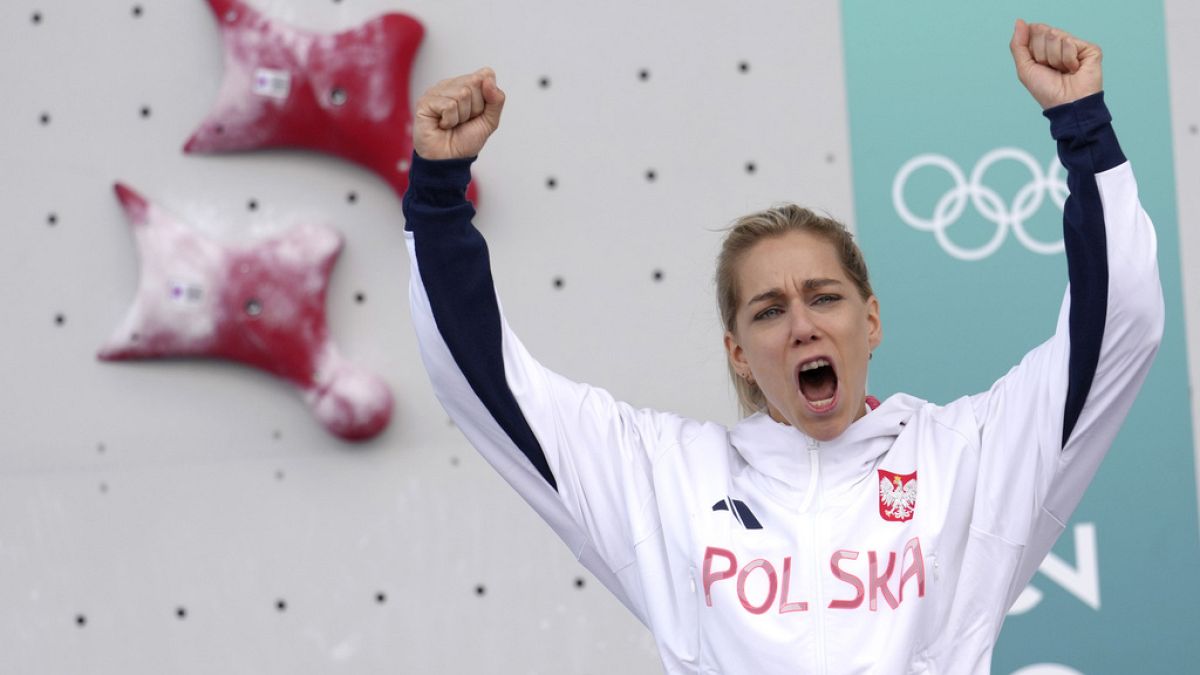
{"points": [[344, 93], [262, 304]]}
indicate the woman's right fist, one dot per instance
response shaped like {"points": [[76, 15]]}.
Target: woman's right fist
{"points": [[455, 117]]}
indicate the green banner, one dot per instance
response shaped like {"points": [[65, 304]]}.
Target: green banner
{"points": [[968, 285]]}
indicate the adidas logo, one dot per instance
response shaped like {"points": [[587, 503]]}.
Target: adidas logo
{"points": [[740, 511]]}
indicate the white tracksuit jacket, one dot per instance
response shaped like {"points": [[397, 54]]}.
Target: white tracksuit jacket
{"points": [[759, 550]]}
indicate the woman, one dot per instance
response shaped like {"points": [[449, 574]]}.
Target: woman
{"points": [[798, 540]]}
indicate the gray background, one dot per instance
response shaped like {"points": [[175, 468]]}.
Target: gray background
{"points": [[154, 515]]}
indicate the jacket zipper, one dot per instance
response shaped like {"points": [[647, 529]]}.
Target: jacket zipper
{"points": [[812, 503]]}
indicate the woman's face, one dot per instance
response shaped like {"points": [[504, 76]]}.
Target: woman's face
{"points": [[803, 333]]}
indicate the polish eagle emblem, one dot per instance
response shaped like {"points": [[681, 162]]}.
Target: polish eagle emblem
{"points": [[897, 496]]}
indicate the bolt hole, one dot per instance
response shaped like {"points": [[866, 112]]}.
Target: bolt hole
{"points": [[559, 282], [145, 111], [651, 175], [544, 83], [552, 182], [252, 205], [381, 598], [60, 319], [137, 11], [360, 297], [181, 612], [751, 167], [338, 96], [352, 197], [253, 307], [579, 582], [44, 119], [52, 219], [744, 66], [658, 275], [480, 590], [36, 18], [80, 620], [643, 74]]}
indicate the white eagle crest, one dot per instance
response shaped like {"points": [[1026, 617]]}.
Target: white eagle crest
{"points": [[899, 500]]}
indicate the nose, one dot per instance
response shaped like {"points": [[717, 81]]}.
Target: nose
{"points": [[804, 329]]}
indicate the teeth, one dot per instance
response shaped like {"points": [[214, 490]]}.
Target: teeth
{"points": [[821, 404], [813, 365]]}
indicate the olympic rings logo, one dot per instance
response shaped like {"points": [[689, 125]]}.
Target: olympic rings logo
{"points": [[987, 202]]}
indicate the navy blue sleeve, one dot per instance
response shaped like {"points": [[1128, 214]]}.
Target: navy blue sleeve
{"points": [[1087, 146], [456, 273]]}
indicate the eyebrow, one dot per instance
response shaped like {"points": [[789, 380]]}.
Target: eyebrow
{"points": [[809, 285]]}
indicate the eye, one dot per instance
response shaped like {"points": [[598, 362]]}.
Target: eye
{"points": [[826, 299], [768, 313]]}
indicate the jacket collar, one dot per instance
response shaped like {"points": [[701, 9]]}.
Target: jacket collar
{"points": [[783, 452]]}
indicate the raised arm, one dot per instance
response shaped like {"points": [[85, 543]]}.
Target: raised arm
{"points": [[1047, 424], [579, 457]]}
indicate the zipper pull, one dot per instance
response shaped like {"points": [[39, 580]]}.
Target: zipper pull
{"points": [[814, 474]]}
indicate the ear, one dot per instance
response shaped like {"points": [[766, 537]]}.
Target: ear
{"points": [[874, 323], [737, 357]]}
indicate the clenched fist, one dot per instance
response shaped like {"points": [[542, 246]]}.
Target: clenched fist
{"points": [[455, 117], [1055, 66]]}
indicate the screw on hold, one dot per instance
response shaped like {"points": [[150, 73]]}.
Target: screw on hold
{"points": [[651, 175], [137, 11], [559, 282], [658, 275], [338, 96], [52, 219], [744, 66], [253, 307], [145, 111], [544, 83], [44, 118], [480, 590], [750, 167], [644, 74]]}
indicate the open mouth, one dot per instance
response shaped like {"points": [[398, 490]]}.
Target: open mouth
{"points": [[818, 384]]}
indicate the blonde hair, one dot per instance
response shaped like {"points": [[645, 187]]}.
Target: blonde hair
{"points": [[777, 221]]}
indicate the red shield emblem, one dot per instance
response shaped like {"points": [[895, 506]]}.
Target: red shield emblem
{"points": [[897, 496]]}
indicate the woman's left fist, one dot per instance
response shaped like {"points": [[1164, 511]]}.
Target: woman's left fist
{"points": [[1055, 66]]}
